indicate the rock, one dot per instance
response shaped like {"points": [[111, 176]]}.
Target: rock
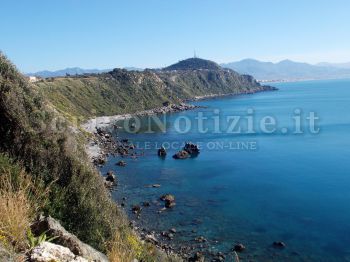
{"points": [[191, 148], [167, 235], [100, 160], [121, 163], [198, 257], [169, 200], [172, 230], [239, 247], [136, 209], [279, 244], [151, 238], [111, 177], [162, 152], [146, 204], [181, 155], [169, 204], [201, 239], [108, 184], [220, 256], [52, 228], [167, 197], [48, 252]]}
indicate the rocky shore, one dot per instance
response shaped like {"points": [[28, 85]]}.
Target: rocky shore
{"points": [[105, 121], [248, 92]]}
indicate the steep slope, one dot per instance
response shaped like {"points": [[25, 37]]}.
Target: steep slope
{"points": [[122, 91], [34, 136]]}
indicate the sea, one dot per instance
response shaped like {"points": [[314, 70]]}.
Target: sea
{"points": [[273, 167]]}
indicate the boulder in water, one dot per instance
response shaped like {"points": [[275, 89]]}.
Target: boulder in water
{"points": [[239, 247], [111, 177], [181, 155], [121, 163], [162, 152]]}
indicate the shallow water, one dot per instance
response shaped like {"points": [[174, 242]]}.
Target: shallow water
{"points": [[292, 188]]}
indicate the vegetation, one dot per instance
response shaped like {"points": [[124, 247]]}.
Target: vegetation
{"points": [[121, 91], [43, 151], [193, 64]]}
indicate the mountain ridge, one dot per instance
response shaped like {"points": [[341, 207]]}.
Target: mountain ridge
{"points": [[287, 70]]}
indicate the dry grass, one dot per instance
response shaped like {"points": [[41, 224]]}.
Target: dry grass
{"points": [[119, 249], [20, 199]]}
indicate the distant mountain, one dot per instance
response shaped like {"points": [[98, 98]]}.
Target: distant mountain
{"points": [[193, 64], [338, 65], [287, 70], [75, 71]]}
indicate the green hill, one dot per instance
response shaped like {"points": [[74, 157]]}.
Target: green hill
{"points": [[193, 64], [121, 91]]}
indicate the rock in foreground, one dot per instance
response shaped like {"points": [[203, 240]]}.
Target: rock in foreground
{"points": [[52, 228], [48, 252]]}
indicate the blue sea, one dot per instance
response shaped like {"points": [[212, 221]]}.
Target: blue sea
{"points": [[252, 188]]}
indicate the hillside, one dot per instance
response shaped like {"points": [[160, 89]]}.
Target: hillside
{"points": [[44, 170], [287, 70], [193, 64], [121, 91]]}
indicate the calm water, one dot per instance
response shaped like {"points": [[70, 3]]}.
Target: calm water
{"points": [[292, 188]]}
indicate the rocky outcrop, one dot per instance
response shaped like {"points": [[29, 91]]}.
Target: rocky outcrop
{"points": [[191, 148], [279, 244], [110, 177], [239, 247], [48, 252], [181, 155], [121, 163], [169, 200], [53, 228], [162, 152]]}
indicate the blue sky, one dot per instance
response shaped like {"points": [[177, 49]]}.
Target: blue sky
{"points": [[42, 34]]}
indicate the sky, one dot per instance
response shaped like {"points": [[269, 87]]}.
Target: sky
{"points": [[41, 34]]}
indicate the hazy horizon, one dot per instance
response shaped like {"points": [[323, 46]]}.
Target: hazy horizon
{"points": [[131, 66]]}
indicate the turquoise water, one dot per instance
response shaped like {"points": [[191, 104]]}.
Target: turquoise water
{"points": [[290, 187]]}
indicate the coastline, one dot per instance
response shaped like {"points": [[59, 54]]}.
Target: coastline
{"points": [[103, 144], [96, 151]]}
